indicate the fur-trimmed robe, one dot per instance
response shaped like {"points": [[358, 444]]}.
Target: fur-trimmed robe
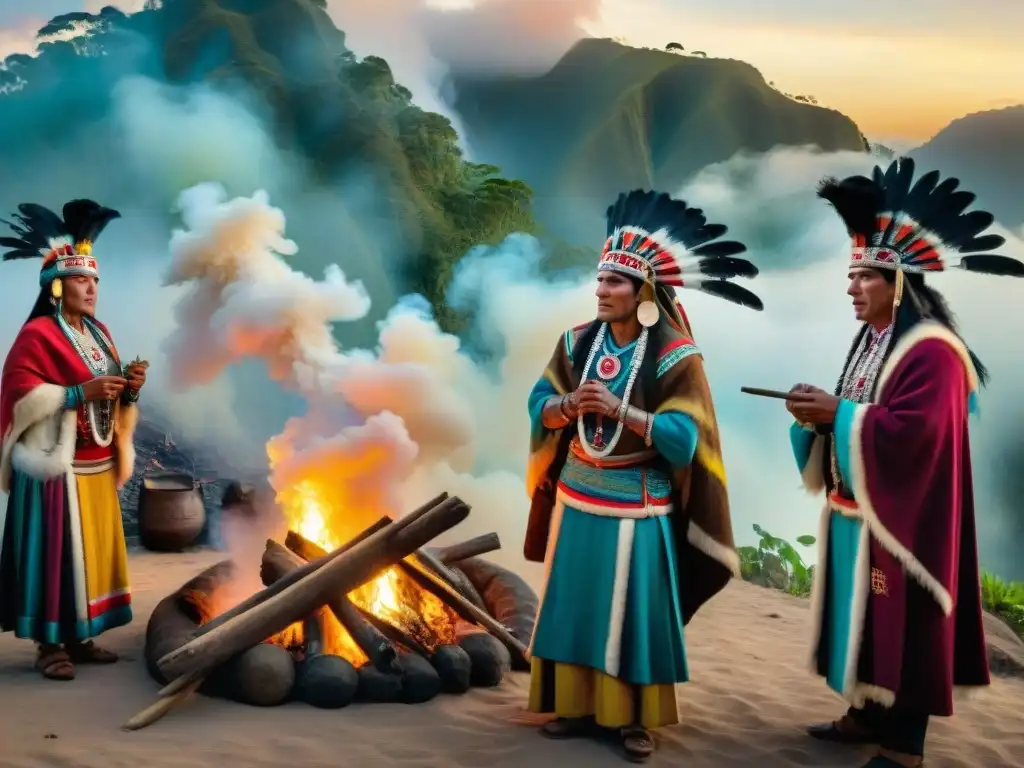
{"points": [[39, 434], [916, 630]]}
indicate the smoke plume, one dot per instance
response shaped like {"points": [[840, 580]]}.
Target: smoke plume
{"points": [[288, 375]]}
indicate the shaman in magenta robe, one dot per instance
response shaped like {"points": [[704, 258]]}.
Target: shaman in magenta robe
{"points": [[897, 597]]}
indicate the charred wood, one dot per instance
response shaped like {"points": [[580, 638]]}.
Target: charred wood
{"points": [[279, 561], [509, 599], [478, 545], [342, 573], [467, 610], [323, 680]]}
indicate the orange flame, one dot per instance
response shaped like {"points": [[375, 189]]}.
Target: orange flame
{"points": [[392, 596]]}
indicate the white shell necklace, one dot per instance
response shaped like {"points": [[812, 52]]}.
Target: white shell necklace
{"points": [[99, 412], [598, 450]]}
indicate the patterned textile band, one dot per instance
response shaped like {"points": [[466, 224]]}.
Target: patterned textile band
{"points": [[67, 265], [632, 492], [93, 467], [612, 462], [592, 505]]}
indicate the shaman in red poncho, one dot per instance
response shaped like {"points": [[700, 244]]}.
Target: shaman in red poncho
{"points": [[63, 559]]}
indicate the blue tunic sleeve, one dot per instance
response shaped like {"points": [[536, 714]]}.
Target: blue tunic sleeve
{"points": [[542, 390], [801, 440], [843, 431], [674, 435]]}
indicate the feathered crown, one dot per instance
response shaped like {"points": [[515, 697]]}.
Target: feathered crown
{"points": [[897, 224], [65, 244], [663, 241]]}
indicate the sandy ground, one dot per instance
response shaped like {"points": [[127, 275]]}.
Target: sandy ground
{"points": [[747, 705]]}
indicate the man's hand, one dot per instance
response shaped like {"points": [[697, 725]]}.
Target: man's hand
{"points": [[815, 407], [103, 388], [595, 397], [802, 389], [136, 375]]}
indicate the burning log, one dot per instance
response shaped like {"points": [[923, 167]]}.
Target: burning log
{"points": [[311, 551], [393, 633], [278, 562], [508, 597], [478, 545], [173, 622], [324, 680], [454, 578], [450, 597], [341, 573], [301, 573], [453, 669]]}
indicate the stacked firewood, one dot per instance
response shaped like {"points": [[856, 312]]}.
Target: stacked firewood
{"points": [[307, 585]]}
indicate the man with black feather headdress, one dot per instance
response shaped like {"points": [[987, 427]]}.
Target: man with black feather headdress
{"points": [[629, 508], [896, 599], [67, 415]]}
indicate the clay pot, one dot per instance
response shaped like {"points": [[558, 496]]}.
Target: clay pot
{"points": [[171, 512]]}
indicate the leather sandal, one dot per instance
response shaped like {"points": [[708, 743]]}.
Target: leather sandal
{"points": [[54, 664], [637, 744], [567, 728], [838, 734], [90, 653]]}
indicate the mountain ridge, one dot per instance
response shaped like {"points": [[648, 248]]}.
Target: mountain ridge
{"points": [[608, 117], [985, 150]]}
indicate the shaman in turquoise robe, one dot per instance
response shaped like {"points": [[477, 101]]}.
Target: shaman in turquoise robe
{"points": [[612, 613]]}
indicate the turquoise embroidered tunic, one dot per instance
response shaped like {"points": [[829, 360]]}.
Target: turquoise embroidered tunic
{"points": [[611, 600]]}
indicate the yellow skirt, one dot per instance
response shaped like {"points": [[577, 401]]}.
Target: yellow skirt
{"points": [[63, 559], [569, 690], [104, 552]]}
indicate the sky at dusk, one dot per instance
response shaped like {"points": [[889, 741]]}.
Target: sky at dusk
{"points": [[901, 77]]}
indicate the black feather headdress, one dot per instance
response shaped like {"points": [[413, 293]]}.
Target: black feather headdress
{"points": [[663, 241], [897, 223], [64, 243]]}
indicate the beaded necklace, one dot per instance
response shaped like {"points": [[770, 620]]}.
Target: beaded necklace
{"points": [[859, 379], [598, 449], [93, 348]]}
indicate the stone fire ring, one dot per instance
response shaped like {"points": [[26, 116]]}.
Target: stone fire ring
{"points": [[267, 674]]}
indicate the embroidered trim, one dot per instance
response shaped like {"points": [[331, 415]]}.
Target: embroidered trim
{"points": [[604, 508], [673, 356], [94, 467], [879, 583], [571, 336]]}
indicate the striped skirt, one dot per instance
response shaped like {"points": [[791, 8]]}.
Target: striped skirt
{"points": [[63, 558]]}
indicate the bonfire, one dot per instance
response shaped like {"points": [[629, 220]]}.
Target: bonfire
{"points": [[376, 617]]}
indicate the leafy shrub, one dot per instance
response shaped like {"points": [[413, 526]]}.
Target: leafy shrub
{"points": [[1005, 599], [776, 563]]}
